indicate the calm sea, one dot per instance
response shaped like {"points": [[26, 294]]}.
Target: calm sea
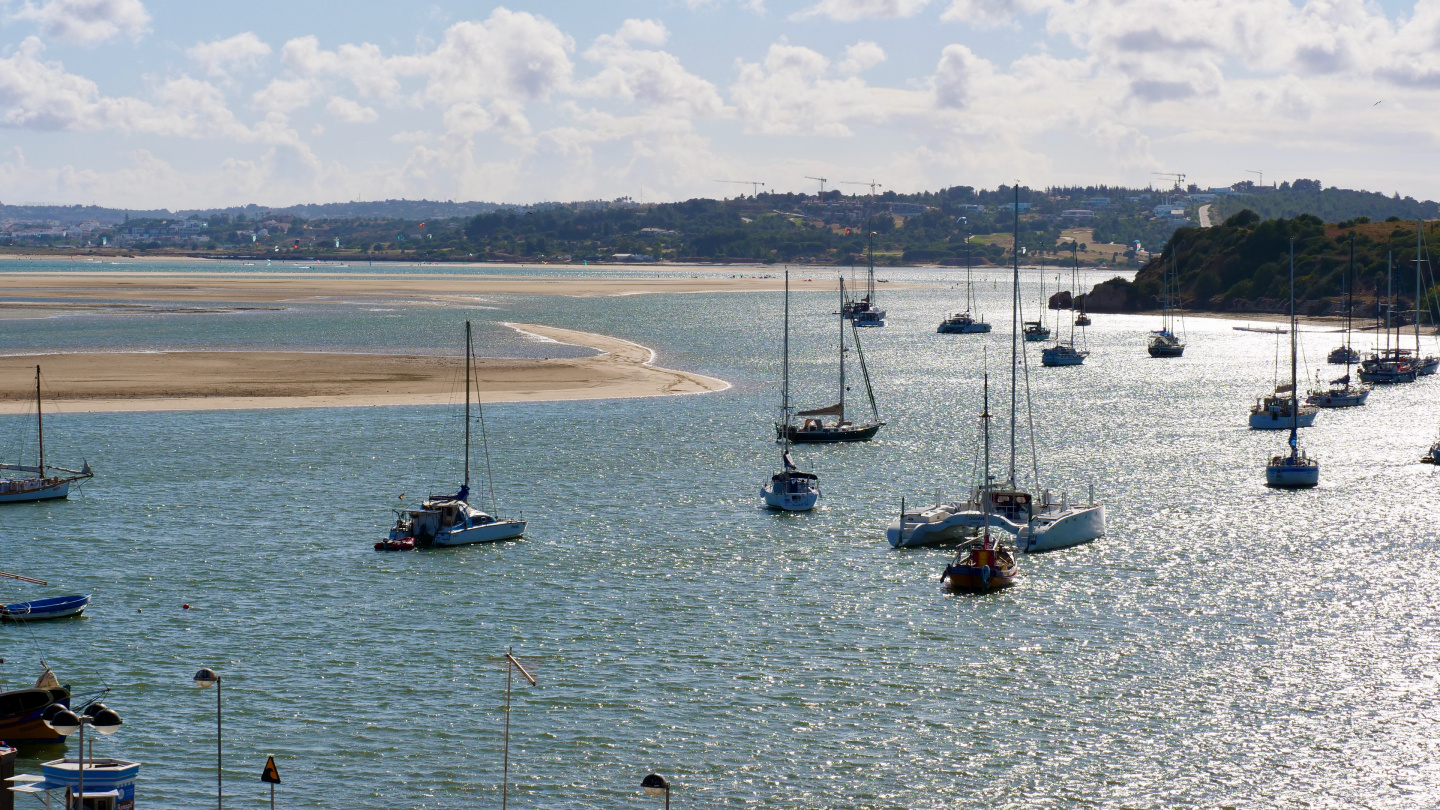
{"points": [[1224, 645]]}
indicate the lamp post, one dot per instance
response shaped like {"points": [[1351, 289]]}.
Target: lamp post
{"points": [[204, 679], [97, 716], [655, 785]]}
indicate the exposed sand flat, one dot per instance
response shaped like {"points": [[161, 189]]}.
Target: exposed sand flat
{"points": [[182, 381], [278, 287]]}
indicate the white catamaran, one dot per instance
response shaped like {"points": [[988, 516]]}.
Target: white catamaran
{"points": [[790, 489], [39, 484], [1043, 527], [450, 520]]}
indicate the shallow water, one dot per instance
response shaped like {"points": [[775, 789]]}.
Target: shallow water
{"points": [[1224, 645]]}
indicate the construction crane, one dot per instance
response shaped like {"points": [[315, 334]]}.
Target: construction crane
{"points": [[1178, 178], [823, 181], [872, 184], [1262, 176], [755, 185]]}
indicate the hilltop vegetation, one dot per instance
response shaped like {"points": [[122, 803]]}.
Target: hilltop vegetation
{"points": [[1243, 265], [1289, 200]]}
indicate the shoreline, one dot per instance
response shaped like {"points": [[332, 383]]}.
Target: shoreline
{"points": [[105, 382]]}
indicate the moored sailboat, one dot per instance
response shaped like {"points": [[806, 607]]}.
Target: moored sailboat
{"points": [[450, 520], [1297, 470], [790, 489], [1164, 342], [963, 323], [1064, 353], [865, 311], [1342, 393], [41, 484], [1036, 330], [815, 429]]}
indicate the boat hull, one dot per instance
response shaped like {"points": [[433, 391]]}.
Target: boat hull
{"points": [[484, 533], [1338, 400], [1070, 526], [1287, 476], [1166, 351], [972, 579], [28, 492], [1274, 421], [1428, 366], [929, 528], [1053, 359], [36, 610], [789, 501], [832, 435], [1036, 337], [20, 712]]}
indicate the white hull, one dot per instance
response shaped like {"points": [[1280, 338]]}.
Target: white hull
{"points": [[942, 523], [1053, 357], [35, 492], [1274, 421], [1059, 527], [790, 501], [483, 533], [1063, 528]]}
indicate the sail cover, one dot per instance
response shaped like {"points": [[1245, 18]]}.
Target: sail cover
{"points": [[834, 410], [1341, 381], [1284, 389]]}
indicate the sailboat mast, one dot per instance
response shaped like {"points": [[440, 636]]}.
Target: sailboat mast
{"points": [[969, 287], [1349, 307], [785, 366], [1074, 293], [1419, 225], [870, 279], [467, 405], [1014, 332], [39, 422], [1294, 383], [1389, 295], [985, 420], [842, 349]]}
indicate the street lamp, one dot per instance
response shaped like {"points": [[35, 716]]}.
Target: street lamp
{"points": [[204, 679], [65, 722], [655, 785]]}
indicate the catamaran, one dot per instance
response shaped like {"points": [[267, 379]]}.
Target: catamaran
{"points": [[450, 520], [790, 489], [963, 323], [815, 429], [1004, 505], [1297, 470], [40, 484]]}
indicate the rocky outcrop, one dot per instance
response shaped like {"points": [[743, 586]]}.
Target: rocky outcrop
{"points": [[1115, 295], [1061, 300]]}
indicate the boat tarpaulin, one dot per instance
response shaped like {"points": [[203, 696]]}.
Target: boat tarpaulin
{"points": [[834, 410]]}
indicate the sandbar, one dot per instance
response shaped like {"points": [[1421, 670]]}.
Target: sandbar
{"points": [[185, 381]]}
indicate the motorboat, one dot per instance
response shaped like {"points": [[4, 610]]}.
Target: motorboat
{"points": [[981, 566], [962, 323], [1063, 354], [22, 711], [813, 429], [1036, 331], [40, 482], [1274, 412], [450, 520], [790, 489], [1296, 470]]}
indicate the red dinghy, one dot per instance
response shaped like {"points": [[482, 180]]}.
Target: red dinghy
{"points": [[397, 544]]}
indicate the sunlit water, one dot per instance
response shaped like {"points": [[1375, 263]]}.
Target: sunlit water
{"points": [[1224, 645]]}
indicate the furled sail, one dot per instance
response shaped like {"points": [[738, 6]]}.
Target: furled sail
{"points": [[837, 409]]}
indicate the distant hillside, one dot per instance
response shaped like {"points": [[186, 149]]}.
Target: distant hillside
{"points": [[1242, 265], [377, 209], [1289, 200]]}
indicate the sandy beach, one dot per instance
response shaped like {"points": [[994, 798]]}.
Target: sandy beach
{"points": [[182, 381]]}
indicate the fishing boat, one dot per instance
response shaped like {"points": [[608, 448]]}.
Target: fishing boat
{"points": [[790, 489], [1036, 331], [1046, 526], [963, 323], [22, 711], [981, 566], [1164, 342], [40, 484], [865, 311], [450, 520], [1296, 470], [1341, 393], [814, 429], [1064, 352]]}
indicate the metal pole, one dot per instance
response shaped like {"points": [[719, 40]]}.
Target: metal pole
{"points": [[505, 783], [667, 797], [219, 750], [1014, 332], [81, 800], [40, 427]]}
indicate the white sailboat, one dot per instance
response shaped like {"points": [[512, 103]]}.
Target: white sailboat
{"points": [[1039, 527], [1342, 391], [865, 311], [1064, 353], [1297, 470], [1165, 343], [1036, 330], [790, 489], [963, 323], [38, 483], [450, 520]]}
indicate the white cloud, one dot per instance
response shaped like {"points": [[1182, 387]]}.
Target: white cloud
{"points": [[87, 22], [222, 55], [789, 94], [351, 111], [649, 77], [284, 95], [957, 75], [862, 56], [852, 10], [991, 13]]}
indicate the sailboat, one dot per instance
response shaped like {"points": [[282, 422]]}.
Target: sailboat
{"points": [[982, 565], [1165, 343], [1064, 353], [963, 323], [865, 312], [1388, 366], [40, 484], [790, 489], [1084, 318], [1297, 470], [815, 429], [1342, 393], [1004, 505], [1036, 330], [1428, 364], [450, 520]]}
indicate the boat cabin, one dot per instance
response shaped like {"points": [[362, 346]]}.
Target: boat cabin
{"points": [[1015, 507], [109, 783], [438, 516]]}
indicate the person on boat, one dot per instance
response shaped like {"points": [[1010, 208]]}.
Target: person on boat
{"points": [[463, 494]]}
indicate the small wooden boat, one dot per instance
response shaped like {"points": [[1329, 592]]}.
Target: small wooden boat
{"points": [[21, 710], [396, 544], [981, 566], [35, 610]]}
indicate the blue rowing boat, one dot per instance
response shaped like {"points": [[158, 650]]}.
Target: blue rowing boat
{"points": [[37, 609]]}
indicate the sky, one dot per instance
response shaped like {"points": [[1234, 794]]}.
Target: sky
{"points": [[159, 103]]}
